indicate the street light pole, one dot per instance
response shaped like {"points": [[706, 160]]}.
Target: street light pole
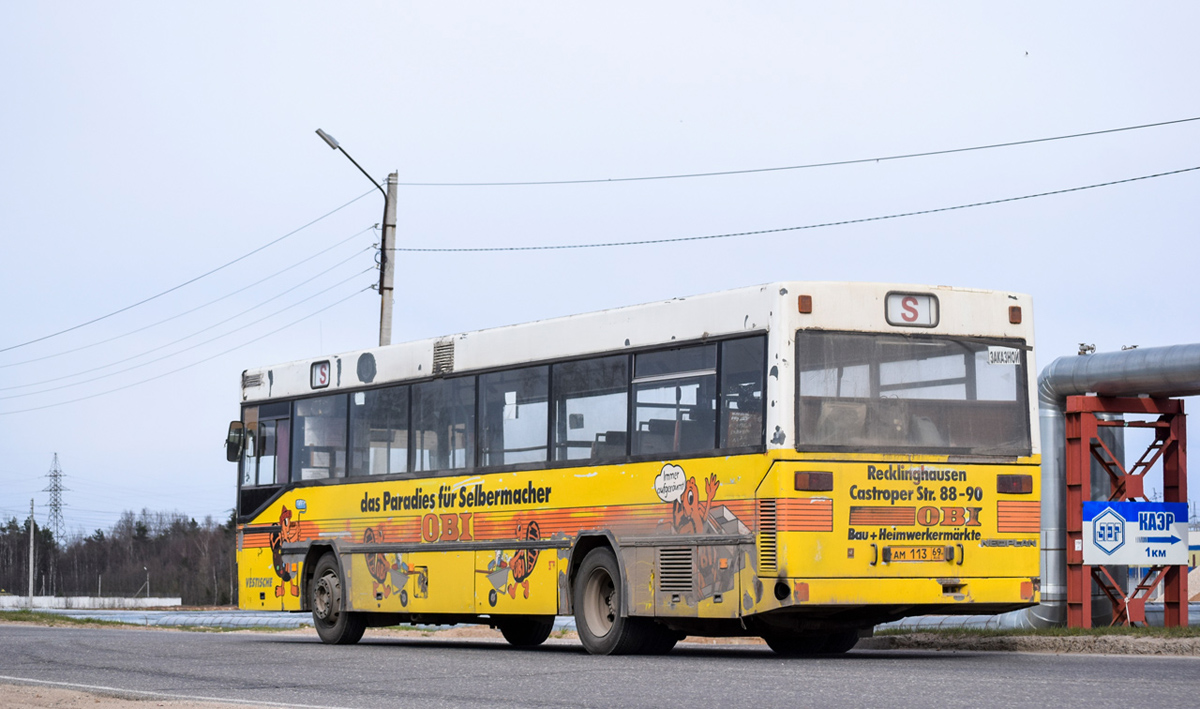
{"points": [[387, 241]]}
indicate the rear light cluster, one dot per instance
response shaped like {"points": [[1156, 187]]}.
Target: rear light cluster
{"points": [[808, 481], [1014, 484]]}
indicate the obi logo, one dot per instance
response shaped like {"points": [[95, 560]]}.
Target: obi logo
{"points": [[1108, 531]]}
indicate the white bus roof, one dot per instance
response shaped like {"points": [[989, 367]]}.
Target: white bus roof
{"points": [[770, 307]]}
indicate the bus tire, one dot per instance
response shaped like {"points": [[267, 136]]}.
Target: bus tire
{"points": [[333, 622], [597, 599], [797, 644], [841, 642], [526, 630], [659, 639]]}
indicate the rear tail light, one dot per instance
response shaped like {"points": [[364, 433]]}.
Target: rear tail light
{"points": [[808, 481], [1014, 484]]}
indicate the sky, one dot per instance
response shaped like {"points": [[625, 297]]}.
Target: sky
{"points": [[148, 144]]}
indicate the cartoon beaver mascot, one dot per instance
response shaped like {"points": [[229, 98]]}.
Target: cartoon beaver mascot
{"points": [[690, 516], [524, 561], [288, 532], [688, 513], [378, 564]]}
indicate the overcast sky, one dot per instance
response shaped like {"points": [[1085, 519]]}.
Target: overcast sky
{"points": [[149, 143]]}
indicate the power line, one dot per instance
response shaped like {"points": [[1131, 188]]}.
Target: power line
{"points": [[193, 364], [192, 310], [201, 331], [560, 247], [190, 281], [857, 161], [185, 349]]}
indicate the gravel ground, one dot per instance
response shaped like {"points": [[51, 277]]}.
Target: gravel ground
{"points": [[23, 696]]}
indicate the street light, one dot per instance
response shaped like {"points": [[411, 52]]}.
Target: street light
{"points": [[389, 237]]}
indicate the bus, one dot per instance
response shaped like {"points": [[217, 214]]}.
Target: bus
{"points": [[798, 461]]}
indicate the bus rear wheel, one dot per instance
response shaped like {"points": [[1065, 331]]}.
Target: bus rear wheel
{"points": [[803, 644], [841, 642], [527, 630], [597, 599], [333, 622]]}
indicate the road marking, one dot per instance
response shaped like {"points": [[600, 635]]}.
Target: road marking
{"points": [[164, 695]]}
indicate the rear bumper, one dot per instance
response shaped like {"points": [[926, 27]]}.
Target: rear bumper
{"points": [[968, 594]]}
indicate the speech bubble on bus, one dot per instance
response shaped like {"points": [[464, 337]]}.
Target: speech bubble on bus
{"points": [[670, 482]]}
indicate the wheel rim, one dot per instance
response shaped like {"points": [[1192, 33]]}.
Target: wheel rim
{"points": [[327, 598], [598, 606]]}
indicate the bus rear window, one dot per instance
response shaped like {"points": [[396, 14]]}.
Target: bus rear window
{"points": [[897, 393]]}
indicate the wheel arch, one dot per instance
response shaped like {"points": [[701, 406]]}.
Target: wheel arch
{"points": [[311, 557], [583, 546]]}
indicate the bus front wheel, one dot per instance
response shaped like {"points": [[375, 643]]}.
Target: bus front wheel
{"points": [[796, 644], [597, 599], [334, 623]]}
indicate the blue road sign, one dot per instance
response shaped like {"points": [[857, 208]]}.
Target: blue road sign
{"points": [[1135, 533]]}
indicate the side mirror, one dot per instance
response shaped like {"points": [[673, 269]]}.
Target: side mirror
{"points": [[234, 441]]}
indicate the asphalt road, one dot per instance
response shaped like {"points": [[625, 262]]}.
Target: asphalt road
{"points": [[294, 670]]}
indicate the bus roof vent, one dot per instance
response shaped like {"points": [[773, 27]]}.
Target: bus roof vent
{"points": [[675, 569], [251, 380], [443, 357]]}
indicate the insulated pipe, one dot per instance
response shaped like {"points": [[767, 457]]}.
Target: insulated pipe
{"points": [[1153, 371]]}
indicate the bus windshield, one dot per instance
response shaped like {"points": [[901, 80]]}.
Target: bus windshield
{"points": [[907, 393]]}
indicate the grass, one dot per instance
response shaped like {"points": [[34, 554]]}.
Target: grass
{"points": [[28, 616], [1139, 632], [212, 629], [54, 619]]}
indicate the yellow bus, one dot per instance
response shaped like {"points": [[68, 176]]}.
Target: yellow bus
{"points": [[798, 461]]}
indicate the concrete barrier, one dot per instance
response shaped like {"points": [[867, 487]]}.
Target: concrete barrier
{"points": [[86, 602]]}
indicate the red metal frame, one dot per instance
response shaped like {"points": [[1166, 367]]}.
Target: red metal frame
{"points": [[1083, 446]]}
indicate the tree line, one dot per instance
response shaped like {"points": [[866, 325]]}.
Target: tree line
{"points": [[172, 553]]}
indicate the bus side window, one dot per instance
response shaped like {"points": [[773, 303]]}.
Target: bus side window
{"points": [[674, 400], [250, 446], [250, 457], [266, 453], [513, 411], [742, 392], [443, 413], [319, 441], [282, 450], [379, 431], [590, 406]]}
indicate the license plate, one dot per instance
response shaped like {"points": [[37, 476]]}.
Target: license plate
{"points": [[918, 553]]}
